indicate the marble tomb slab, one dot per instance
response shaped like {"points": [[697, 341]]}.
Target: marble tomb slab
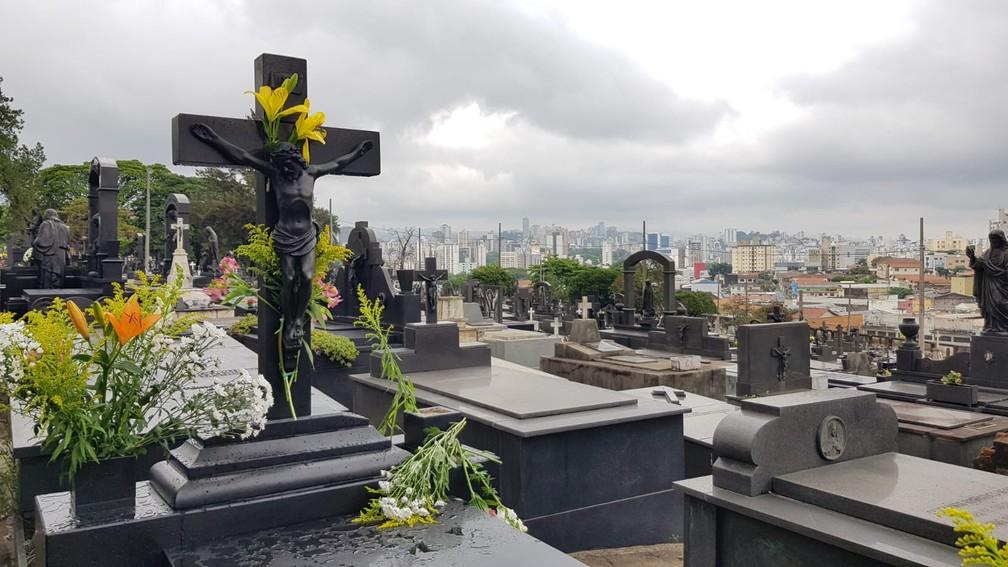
{"points": [[902, 492], [517, 393]]}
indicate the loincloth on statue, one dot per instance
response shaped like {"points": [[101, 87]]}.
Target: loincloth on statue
{"points": [[292, 244]]}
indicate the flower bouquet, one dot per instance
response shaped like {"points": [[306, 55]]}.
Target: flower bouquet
{"points": [[125, 378]]}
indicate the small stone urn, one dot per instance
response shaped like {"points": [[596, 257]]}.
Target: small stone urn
{"points": [[909, 327]]}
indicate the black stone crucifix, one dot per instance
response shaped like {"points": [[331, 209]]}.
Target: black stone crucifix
{"points": [[783, 355], [430, 277], [243, 134]]}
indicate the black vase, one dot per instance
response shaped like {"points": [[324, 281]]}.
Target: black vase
{"points": [[909, 327], [104, 490], [406, 279]]}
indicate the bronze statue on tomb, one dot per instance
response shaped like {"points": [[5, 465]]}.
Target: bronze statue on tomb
{"points": [[212, 261], [647, 303], [51, 249], [292, 181], [990, 283]]}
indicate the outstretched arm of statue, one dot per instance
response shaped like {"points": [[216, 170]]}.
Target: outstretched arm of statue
{"points": [[233, 153], [339, 163]]}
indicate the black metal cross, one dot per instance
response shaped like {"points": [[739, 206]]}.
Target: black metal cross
{"points": [[431, 275], [783, 355], [271, 70]]}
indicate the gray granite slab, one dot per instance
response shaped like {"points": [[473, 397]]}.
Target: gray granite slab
{"points": [[535, 426], [902, 492], [516, 392], [897, 389], [844, 378], [934, 416], [885, 544], [464, 537]]}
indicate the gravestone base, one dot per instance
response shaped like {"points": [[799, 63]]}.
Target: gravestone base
{"points": [[295, 471]]}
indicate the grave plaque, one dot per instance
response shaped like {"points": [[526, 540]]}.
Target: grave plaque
{"points": [[773, 357]]}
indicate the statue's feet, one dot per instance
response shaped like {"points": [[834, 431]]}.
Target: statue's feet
{"points": [[293, 335]]}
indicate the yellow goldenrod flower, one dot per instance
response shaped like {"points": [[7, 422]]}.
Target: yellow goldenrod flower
{"points": [[272, 102], [78, 320], [309, 127], [131, 322]]}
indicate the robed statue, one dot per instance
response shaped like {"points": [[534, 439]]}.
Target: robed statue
{"points": [[292, 181], [990, 283], [51, 249], [648, 302]]}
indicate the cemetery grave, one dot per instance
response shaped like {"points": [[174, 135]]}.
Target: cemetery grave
{"points": [[840, 496], [570, 452], [588, 358]]}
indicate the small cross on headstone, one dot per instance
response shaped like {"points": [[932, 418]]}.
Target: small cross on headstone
{"points": [[585, 306], [180, 227], [531, 312], [782, 354]]}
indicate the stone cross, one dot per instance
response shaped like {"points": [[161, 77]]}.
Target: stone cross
{"points": [[531, 312], [782, 354], [585, 306], [272, 70], [180, 227], [556, 326]]}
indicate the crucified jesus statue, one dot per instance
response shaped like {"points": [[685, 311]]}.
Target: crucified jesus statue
{"points": [[295, 235]]}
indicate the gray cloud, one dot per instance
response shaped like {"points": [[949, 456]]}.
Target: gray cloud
{"points": [[913, 126]]}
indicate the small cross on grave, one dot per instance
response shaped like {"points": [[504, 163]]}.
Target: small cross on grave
{"points": [[585, 306], [180, 227], [244, 146], [531, 312], [430, 276], [783, 355]]}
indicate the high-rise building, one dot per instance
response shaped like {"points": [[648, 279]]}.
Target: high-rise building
{"points": [[606, 253], [730, 236], [753, 258], [526, 229]]}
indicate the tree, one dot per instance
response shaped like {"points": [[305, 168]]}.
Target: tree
{"points": [[225, 200], [19, 167], [404, 240], [559, 272], [900, 292], [941, 271], [718, 269], [593, 281], [697, 303], [494, 275]]}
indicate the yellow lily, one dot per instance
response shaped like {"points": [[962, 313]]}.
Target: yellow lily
{"points": [[131, 322], [273, 100], [309, 127], [78, 320]]}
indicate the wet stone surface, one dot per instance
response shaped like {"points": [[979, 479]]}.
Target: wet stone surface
{"points": [[464, 536]]}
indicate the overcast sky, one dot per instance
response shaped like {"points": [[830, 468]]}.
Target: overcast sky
{"points": [[854, 117]]}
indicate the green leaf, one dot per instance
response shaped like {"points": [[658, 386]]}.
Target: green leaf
{"points": [[127, 365]]}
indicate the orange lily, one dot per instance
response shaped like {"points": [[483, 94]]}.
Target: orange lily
{"points": [[131, 322], [78, 320]]}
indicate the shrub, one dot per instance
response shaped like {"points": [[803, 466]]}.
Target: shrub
{"points": [[336, 348]]}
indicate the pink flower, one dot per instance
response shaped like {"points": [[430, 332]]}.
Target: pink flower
{"points": [[228, 265], [331, 294]]}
